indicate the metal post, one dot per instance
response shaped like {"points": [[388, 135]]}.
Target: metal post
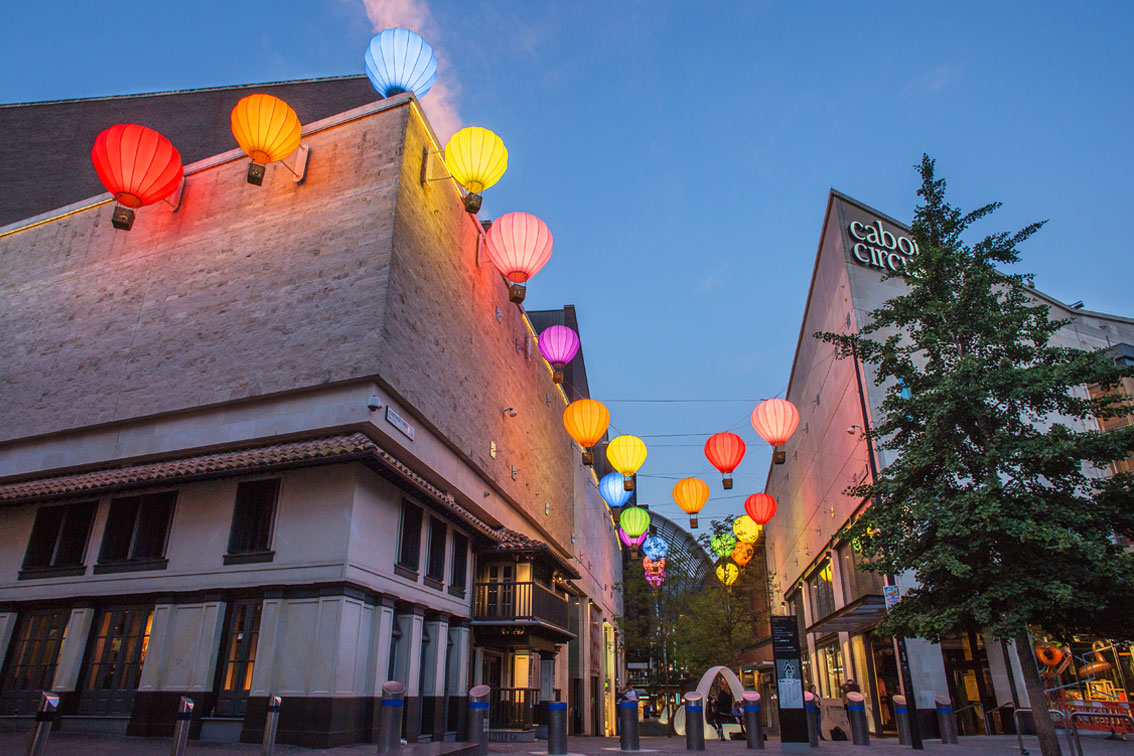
{"points": [[271, 724], [946, 722], [557, 728], [753, 721], [811, 704], [902, 716], [628, 725], [181, 728], [856, 713], [48, 703], [390, 719], [694, 721], [478, 718]]}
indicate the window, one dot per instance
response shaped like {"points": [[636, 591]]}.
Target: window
{"points": [[822, 592], [250, 538], [857, 582], [240, 658], [114, 662], [409, 552], [31, 662], [136, 531], [458, 575], [59, 539], [435, 569]]}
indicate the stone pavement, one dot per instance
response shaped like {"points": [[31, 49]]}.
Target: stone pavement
{"points": [[72, 744]]}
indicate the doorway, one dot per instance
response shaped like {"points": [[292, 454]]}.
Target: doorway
{"points": [[970, 681]]}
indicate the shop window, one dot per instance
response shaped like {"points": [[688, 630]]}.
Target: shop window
{"points": [[242, 634], [250, 538], [458, 575], [435, 566], [856, 581], [137, 529], [820, 588], [830, 669], [409, 548], [114, 662], [31, 660], [59, 540]]}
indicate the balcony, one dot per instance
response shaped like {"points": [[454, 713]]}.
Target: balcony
{"points": [[520, 607]]}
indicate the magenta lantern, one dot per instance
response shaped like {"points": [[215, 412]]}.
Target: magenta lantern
{"points": [[558, 345]]}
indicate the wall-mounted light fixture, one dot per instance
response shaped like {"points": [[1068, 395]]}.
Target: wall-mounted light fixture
{"points": [[508, 411]]}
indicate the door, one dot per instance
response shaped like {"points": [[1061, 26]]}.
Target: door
{"points": [[970, 681], [239, 658], [31, 661], [885, 680], [596, 706], [114, 661]]}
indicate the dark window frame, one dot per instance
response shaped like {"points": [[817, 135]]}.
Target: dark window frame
{"points": [[248, 543], [459, 569], [435, 556], [404, 565], [120, 552], [71, 532], [32, 659]]}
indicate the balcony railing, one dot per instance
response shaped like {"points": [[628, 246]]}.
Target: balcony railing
{"points": [[512, 708], [519, 601]]}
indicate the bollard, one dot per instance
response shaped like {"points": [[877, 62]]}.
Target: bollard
{"points": [[694, 721], [628, 724], [811, 703], [390, 719], [181, 728], [48, 703], [271, 724], [902, 717], [856, 713], [478, 718], [557, 728], [753, 721], [946, 722]]}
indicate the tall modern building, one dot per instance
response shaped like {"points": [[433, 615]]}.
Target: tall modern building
{"points": [[817, 576], [289, 439]]}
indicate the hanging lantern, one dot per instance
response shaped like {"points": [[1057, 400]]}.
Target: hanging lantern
{"points": [[656, 579], [586, 421], [477, 159], [775, 420], [760, 507], [138, 166], [626, 454], [634, 542], [399, 60], [519, 244], [727, 573], [724, 452], [613, 493], [558, 345], [745, 529], [655, 548], [267, 129], [723, 544], [635, 521], [691, 494], [653, 565], [742, 553]]}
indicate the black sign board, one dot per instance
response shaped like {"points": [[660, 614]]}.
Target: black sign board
{"points": [[789, 680]]}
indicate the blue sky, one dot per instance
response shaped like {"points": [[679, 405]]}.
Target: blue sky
{"points": [[681, 152]]}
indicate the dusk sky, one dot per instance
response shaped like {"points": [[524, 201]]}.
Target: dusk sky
{"points": [[682, 153]]}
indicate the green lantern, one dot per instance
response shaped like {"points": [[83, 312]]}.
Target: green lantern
{"points": [[723, 544], [635, 521]]}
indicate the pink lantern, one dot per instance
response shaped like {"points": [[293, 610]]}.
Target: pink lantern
{"points": [[519, 244], [558, 345], [633, 543]]}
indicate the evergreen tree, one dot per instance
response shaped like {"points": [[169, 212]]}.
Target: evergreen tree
{"points": [[999, 499]]}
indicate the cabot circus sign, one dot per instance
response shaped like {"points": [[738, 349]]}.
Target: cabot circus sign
{"points": [[876, 247]]}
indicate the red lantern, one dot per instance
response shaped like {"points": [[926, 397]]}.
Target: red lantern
{"points": [[519, 244], [760, 507], [137, 165], [724, 451], [775, 420]]}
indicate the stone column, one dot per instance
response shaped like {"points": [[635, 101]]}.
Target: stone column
{"points": [[411, 621], [381, 637], [433, 678], [459, 682]]}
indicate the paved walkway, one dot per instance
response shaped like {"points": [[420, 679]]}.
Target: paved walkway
{"points": [[70, 744]]}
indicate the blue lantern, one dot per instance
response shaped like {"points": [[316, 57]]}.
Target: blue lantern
{"points": [[399, 60], [655, 548], [612, 490]]}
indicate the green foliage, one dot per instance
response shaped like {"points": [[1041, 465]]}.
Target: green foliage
{"points": [[997, 499]]}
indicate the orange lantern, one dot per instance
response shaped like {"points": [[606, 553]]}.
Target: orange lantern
{"points": [[742, 554], [760, 507], [586, 421], [691, 494], [775, 420], [267, 129]]}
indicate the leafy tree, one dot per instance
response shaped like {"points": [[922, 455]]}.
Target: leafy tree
{"points": [[997, 500]]}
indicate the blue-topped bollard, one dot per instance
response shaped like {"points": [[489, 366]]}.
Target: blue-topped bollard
{"points": [[478, 718], [856, 713], [902, 717], [811, 704], [694, 721], [946, 721], [557, 728], [628, 725], [753, 721], [390, 721]]}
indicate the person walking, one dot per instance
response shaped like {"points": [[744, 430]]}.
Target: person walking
{"points": [[818, 711], [724, 710]]}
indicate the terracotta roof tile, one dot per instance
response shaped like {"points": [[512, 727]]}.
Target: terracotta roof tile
{"points": [[509, 540]]}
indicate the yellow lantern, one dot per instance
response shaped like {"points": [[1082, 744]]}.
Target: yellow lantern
{"points": [[586, 421], [267, 129], [728, 573], [477, 159], [626, 455], [742, 554], [746, 529]]}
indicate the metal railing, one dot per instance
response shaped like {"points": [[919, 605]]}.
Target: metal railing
{"points": [[1095, 715], [1068, 725], [973, 705], [519, 601], [512, 708], [988, 714]]}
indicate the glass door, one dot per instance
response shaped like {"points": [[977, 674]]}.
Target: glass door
{"points": [[885, 680], [31, 662], [114, 661], [241, 636]]}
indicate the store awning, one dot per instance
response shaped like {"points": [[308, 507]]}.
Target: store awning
{"points": [[858, 615]]}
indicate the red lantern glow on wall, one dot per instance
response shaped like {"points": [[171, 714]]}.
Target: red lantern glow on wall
{"points": [[519, 244], [760, 507], [137, 165], [724, 451]]}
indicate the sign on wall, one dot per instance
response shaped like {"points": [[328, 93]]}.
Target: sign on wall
{"points": [[875, 247], [399, 422]]}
